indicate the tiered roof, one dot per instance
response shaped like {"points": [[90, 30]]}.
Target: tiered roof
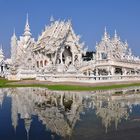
{"points": [[56, 35], [116, 48]]}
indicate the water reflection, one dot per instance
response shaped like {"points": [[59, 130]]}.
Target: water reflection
{"points": [[60, 111]]}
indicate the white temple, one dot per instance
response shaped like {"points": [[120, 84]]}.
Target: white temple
{"points": [[57, 55]]}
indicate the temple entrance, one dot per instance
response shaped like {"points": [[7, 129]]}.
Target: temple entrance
{"points": [[1, 68], [29, 63], [118, 71], [67, 56]]}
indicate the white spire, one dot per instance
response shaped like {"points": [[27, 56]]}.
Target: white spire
{"points": [[51, 19], [126, 44], [1, 50], [115, 35], [1, 47], [105, 30], [14, 35], [13, 46], [27, 27], [1, 53], [106, 36], [27, 19], [96, 43]]}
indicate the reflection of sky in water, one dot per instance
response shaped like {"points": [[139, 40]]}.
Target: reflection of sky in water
{"points": [[36, 113]]}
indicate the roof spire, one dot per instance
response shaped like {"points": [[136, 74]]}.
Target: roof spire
{"points": [[96, 43], [27, 27], [115, 35], [126, 44], [105, 33], [51, 19], [106, 37], [1, 46], [14, 32], [14, 38], [1, 53], [27, 19]]}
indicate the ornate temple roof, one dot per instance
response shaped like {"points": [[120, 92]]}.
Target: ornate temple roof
{"points": [[27, 28], [115, 48], [55, 35]]}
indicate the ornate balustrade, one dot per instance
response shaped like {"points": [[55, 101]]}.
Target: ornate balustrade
{"points": [[83, 78]]}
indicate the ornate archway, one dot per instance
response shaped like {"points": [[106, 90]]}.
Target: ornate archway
{"points": [[67, 55]]}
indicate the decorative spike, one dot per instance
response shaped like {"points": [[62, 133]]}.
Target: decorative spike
{"points": [[105, 33], [96, 43], [51, 19], [14, 33], [115, 35], [1, 53], [69, 22], [1, 46], [126, 43], [106, 36], [27, 27], [27, 19]]}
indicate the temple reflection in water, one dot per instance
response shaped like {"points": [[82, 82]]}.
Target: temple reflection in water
{"points": [[60, 111]]}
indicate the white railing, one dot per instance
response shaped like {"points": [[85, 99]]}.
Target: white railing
{"points": [[60, 77]]}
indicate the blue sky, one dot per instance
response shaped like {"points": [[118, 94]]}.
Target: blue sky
{"points": [[89, 17]]}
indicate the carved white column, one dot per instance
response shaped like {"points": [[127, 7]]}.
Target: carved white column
{"points": [[61, 59], [112, 70], [97, 74], [100, 56], [73, 55], [124, 71]]}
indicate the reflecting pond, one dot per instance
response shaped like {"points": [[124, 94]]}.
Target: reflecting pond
{"points": [[40, 114]]}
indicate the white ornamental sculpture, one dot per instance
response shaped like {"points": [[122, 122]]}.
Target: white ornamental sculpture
{"points": [[1, 54], [14, 47]]}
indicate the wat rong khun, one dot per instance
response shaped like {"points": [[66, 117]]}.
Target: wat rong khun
{"points": [[58, 55]]}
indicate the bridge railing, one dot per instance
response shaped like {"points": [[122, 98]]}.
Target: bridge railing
{"points": [[60, 77]]}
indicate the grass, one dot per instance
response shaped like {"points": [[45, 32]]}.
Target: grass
{"points": [[5, 84], [88, 88]]}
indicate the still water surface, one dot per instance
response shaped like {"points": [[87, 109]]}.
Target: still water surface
{"points": [[39, 114]]}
